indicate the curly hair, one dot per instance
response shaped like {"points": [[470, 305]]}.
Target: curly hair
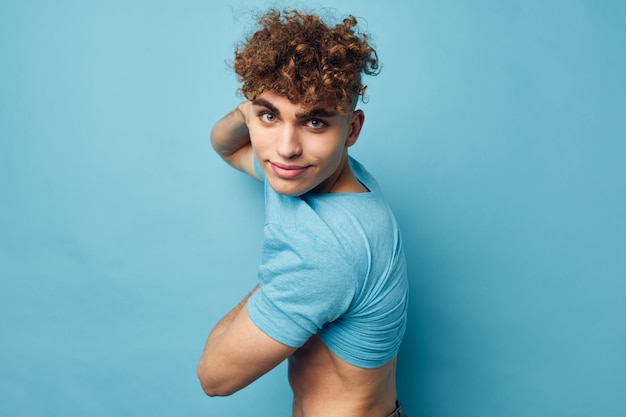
{"points": [[302, 58]]}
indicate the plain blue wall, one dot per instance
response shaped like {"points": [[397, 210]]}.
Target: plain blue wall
{"points": [[496, 128]]}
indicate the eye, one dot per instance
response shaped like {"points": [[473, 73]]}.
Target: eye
{"points": [[315, 123], [268, 117]]}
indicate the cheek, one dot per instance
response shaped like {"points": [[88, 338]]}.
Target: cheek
{"points": [[329, 147], [258, 138]]}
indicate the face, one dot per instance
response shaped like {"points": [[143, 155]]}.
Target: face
{"points": [[298, 151]]}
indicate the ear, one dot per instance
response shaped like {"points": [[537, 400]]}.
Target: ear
{"points": [[354, 129]]}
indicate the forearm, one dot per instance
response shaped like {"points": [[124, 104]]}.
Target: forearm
{"points": [[230, 134]]}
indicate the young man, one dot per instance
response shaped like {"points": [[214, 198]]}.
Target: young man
{"points": [[332, 294]]}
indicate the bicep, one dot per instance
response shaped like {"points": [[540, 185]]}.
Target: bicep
{"points": [[239, 356]]}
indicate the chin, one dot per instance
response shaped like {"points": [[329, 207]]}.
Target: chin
{"points": [[290, 189]]}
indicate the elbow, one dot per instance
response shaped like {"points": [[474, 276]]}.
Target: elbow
{"points": [[212, 386], [213, 390]]}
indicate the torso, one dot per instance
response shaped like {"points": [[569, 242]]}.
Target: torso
{"points": [[323, 384], [326, 386]]}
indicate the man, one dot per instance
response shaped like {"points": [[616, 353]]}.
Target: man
{"points": [[333, 292]]}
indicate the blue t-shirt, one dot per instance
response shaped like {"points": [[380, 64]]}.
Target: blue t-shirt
{"points": [[333, 265]]}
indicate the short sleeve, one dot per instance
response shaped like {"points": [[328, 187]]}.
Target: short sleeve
{"points": [[305, 283]]}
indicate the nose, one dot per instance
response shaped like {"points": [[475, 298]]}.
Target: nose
{"points": [[288, 143]]}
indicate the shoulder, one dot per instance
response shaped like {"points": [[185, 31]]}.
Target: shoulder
{"points": [[310, 244], [305, 282]]}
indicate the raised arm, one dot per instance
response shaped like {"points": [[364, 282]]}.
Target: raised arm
{"points": [[237, 353], [231, 140]]}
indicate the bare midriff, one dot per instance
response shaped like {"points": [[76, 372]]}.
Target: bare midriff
{"points": [[326, 386]]}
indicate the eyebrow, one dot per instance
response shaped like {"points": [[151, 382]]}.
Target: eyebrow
{"points": [[266, 104], [319, 112], [316, 113]]}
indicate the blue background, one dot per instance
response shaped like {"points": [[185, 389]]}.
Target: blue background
{"points": [[497, 129]]}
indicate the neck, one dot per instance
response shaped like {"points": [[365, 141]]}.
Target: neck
{"points": [[342, 181]]}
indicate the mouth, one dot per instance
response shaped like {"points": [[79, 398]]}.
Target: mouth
{"points": [[287, 171]]}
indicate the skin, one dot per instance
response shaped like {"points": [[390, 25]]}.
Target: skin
{"points": [[298, 152]]}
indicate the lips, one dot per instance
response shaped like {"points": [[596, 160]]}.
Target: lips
{"points": [[287, 171]]}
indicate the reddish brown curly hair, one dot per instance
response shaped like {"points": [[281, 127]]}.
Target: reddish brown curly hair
{"points": [[302, 58]]}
